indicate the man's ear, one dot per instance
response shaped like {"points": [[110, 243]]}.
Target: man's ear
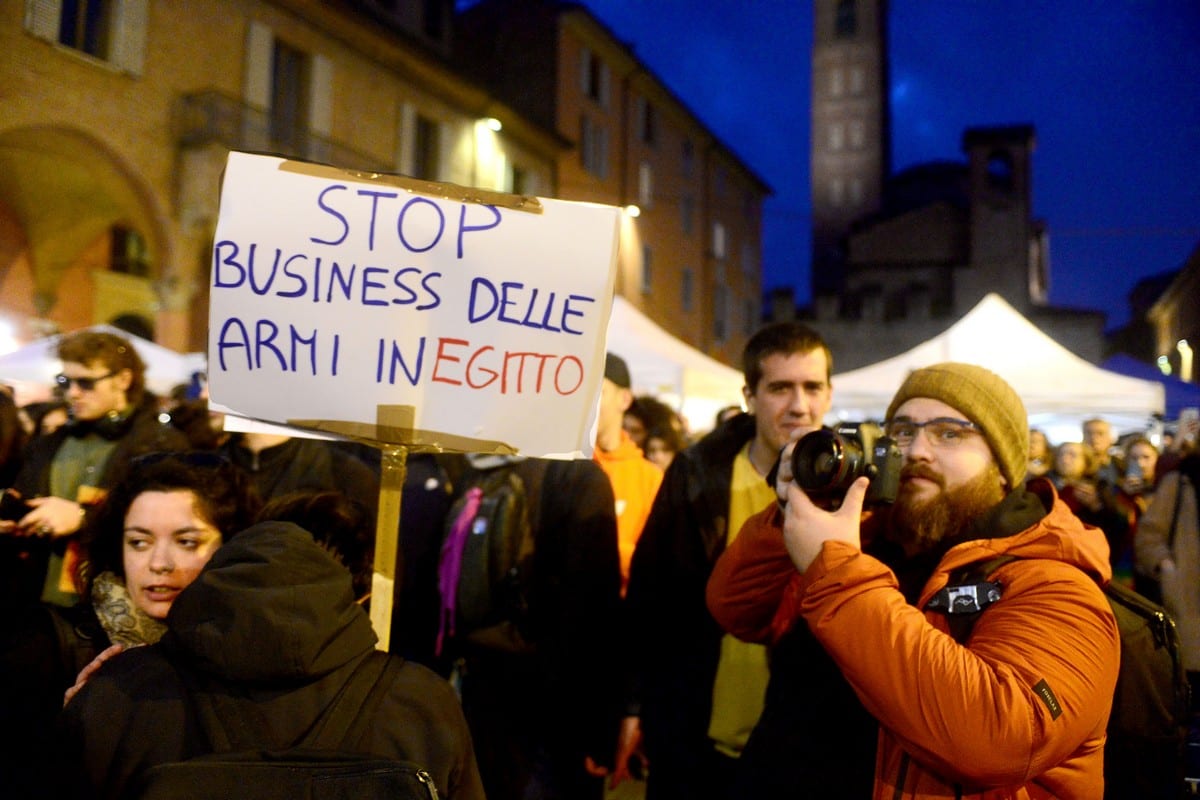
{"points": [[124, 379], [748, 395], [626, 399]]}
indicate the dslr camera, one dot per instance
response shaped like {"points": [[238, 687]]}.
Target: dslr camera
{"points": [[825, 462]]}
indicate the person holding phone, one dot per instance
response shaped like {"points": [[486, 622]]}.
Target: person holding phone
{"points": [[1124, 505], [113, 419]]}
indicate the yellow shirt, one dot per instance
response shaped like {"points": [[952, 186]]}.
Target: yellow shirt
{"points": [[742, 674]]}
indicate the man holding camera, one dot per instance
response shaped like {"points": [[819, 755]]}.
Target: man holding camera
{"points": [[697, 693], [1019, 707]]}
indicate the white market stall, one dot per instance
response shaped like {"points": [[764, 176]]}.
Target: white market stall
{"points": [[1059, 388], [32, 368], [670, 369]]}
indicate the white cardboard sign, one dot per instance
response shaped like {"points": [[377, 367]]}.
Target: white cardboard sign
{"points": [[350, 303]]}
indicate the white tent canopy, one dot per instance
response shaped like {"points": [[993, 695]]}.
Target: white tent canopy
{"points": [[36, 364], [1059, 388], [671, 370]]}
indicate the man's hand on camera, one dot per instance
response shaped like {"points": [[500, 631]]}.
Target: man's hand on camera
{"points": [[783, 476], [806, 527]]}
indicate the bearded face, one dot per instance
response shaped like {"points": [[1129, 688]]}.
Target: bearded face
{"points": [[918, 523]]}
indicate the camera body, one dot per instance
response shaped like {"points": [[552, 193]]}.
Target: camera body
{"points": [[825, 462]]}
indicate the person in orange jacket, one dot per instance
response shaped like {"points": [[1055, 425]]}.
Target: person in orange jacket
{"points": [[634, 480], [1018, 709]]}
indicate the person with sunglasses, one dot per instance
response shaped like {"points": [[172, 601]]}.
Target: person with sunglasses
{"points": [[1018, 706], [113, 419], [145, 543]]}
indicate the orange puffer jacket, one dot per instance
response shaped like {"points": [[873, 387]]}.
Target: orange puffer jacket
{"points": [[1018, 711]]}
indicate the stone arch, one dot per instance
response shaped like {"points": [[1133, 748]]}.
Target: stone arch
{"points": [[66, 189]]}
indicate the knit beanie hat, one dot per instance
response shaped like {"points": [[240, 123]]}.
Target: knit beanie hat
{"points": [[985, 399]]}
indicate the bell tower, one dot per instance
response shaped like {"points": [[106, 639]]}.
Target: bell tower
{"points": [[850, 158]]}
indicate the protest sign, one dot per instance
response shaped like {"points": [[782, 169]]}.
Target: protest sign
{"points": [[401, 312]]}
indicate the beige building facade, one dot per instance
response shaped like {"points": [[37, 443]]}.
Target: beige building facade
{"points": [[116, 125], [115, 128]]}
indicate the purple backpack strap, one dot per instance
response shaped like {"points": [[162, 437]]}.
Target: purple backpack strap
{"points": [[450, 564]]}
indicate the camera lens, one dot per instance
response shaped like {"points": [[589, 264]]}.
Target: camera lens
{"points": [[824, 463]]}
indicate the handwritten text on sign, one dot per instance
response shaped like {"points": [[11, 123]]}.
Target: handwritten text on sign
{"points": [[333, 295]]}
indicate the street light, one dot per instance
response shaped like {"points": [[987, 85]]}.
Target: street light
{"points": [[1185, 360]]}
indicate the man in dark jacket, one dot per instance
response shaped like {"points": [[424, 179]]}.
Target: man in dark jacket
{"points": [[271, 622], [696, 692], [113, 419]]}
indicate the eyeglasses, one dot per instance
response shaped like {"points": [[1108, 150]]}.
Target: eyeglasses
{"points": [[942, 432], [85, 384]]}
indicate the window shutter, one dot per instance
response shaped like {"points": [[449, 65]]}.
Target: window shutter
{"points": [[43, 18], [260, 44], [445, 142], [408, 137], [127, 48], [320, 101]]}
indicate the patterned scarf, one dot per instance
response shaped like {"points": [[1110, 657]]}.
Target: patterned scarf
{"points": [[124, 622]]}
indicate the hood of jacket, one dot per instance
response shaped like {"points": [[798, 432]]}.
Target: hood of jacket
{"points": [[271, 605], [1022, 527]]}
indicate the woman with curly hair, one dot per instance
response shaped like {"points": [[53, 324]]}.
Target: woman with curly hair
{"points": [[146, 542]]}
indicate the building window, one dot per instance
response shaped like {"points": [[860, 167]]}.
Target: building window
{"points": [[687, 157], [837, 136], [749, 205], [593, 147], [837, 192], [687, 214], [110, 30], [289, 98], [749, 261], [647, 274], [836, 83], [434, 24], [593, 77], [687, 289], [645, 185], [85, 24], [646, 121], [847, 19], [718, 240], [856, 192], [519, 180], [426, 149], [127, 253], [858, 80], [721, 300], [749, 317], [1000, 170], [857, 135]]}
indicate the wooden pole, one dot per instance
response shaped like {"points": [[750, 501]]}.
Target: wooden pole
{"points": [[388, 560]]}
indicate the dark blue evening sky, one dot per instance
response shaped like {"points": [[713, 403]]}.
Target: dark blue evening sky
{"points": [[1112, 89]]}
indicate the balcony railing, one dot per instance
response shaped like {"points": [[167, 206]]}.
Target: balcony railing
{"points": [[214, 118]]}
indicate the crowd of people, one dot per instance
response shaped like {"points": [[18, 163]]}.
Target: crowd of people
{"points": [[684, 614]]}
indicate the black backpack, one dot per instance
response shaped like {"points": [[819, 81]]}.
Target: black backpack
{"points": [[486, 562], [322, 766], [1147, 728]]}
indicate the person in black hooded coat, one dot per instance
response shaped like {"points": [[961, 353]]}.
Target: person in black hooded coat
{"points": [[271, 621]]}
